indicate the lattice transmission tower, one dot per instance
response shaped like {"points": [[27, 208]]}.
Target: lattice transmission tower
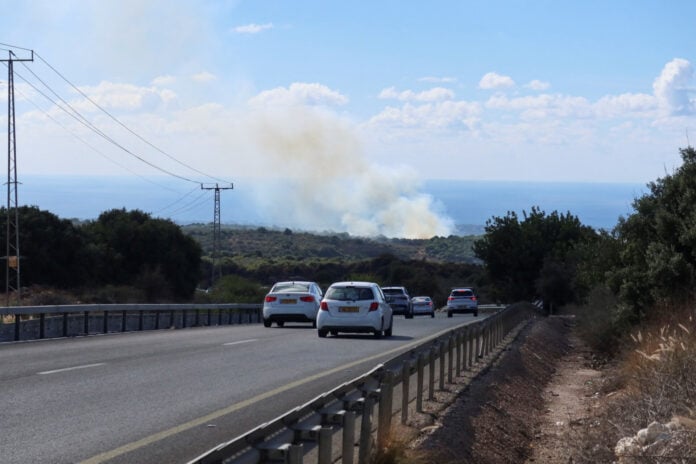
{"points": [[216, 269], [12, 256]]}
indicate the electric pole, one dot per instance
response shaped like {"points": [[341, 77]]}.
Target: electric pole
{"points": [[216, 271], [12, 256]]}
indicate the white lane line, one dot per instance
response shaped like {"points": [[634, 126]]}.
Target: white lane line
{"points": [[84, 366], [240, 342]]}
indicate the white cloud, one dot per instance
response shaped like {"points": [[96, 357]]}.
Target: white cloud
{"points": [[253, 28], [204, 77], [438, 80], [163, 80], [626, 105], [492, 80], [537, 85], [671, 87], [125, 96], [431, 115], [434, 94], [299, 93]]}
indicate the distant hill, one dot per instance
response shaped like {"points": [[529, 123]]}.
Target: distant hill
{"points": [[246, 245]]}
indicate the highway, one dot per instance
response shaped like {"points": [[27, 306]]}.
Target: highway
{"points": [[170, 395]]}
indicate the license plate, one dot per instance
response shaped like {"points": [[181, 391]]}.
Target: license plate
{"points": [[288, 301], [348, 309]]}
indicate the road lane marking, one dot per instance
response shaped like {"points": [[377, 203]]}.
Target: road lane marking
{"points": [[65, 369], [127, 448], [240, 342]]}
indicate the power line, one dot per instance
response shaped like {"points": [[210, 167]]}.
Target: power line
{"points": [[82, 120], [123, 125]]}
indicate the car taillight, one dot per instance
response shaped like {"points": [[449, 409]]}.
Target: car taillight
{"points": [[324, 306], [450, 298], [307, 299], [473, 298], [270, 299], [374, 306]]}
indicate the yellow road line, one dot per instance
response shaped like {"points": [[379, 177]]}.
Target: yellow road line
{"points": [[127, 448]]}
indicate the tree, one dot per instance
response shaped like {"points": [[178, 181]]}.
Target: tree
{"points": [[657, 261], [51, 249], [533, 257], [132, 248]]}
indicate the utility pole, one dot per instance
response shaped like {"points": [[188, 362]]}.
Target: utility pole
{"points": [[12, 256], [216, 271]]}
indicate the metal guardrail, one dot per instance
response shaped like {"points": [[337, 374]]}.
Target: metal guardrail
{"points": [[333, 426], [37, 322]]}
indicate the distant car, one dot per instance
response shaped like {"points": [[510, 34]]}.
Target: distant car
{"points": [[399, 300], [356, 307], [462, 300], [423, 305], [292, 301]]}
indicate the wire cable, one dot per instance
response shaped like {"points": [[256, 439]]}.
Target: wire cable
{"points": [[123, 125]]}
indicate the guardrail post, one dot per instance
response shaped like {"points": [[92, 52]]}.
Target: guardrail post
{"points": [[325, 445], [157, 318], [431, 374], [366, 430], [141, 318], [295, 454], [450, 358], [124, 320], [348, 445], [459, 338], [441, 365], [17, 325], [42, 325], [419, 382], [405, 389], [65, 324], [385, 409], [106, 322], [478, 344]]}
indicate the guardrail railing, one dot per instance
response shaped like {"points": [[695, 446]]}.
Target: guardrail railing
{"points": [[342, 425], [37, 322]]}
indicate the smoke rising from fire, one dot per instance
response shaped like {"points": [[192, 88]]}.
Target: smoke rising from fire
{"points": [[323, 180]]}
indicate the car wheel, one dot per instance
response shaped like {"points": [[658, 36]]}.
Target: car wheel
{"points": [[266, 323], [409, 315], [432, 314], [280, 323], [388, 332], [334, 333], [449, 313], [475, 313], [378, 334], [314, 324], [322, 333]]}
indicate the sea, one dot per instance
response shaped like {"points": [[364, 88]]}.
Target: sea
{"points": [[468, 203]]}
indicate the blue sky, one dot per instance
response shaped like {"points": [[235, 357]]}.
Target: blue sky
{"points": [[356, 101]]}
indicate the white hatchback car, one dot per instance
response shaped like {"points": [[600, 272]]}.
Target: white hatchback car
{"points": [[292, 302], [356, 307]]}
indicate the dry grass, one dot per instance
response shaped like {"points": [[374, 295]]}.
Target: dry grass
{"points": [[653, 380]]}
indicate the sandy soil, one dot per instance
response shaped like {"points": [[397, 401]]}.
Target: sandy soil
{"points": [[523, 406]]}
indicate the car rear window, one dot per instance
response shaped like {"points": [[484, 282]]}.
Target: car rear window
{"points": [[350, 293], [392, 291], [291, 287], [462, 293]]}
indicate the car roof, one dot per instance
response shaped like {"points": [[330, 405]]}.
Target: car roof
{"points": [[356, 283]]}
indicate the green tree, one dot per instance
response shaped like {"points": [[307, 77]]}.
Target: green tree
{"points": [[533, 257], [51, 249], [657, 261], [132, 248]]}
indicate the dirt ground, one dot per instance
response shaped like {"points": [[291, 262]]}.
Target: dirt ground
{"points": [[522, 407]]}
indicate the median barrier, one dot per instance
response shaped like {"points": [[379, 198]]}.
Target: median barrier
{"points": [[19, 323]]}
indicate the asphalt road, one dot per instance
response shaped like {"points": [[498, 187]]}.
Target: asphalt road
{"points": [[170, 395]]}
